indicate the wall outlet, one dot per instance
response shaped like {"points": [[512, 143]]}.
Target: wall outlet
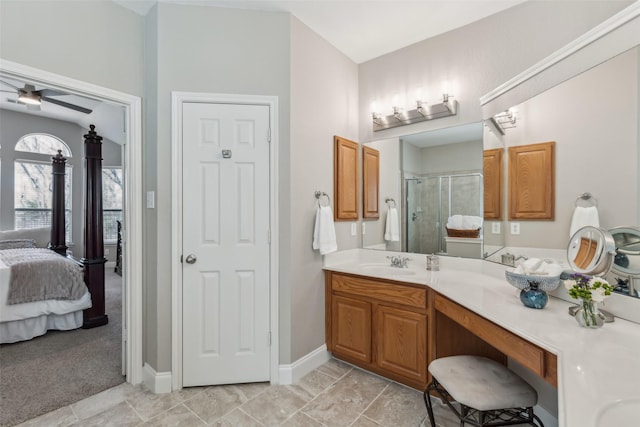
{"points": [[495, 228], [106, 252], [515, 228], [353, 228], [364, 228]]}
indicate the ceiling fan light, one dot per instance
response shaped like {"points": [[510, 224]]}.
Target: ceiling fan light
{"points": [[29, 98]]}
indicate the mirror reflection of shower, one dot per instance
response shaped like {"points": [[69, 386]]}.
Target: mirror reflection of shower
{"points": [[431, 200]]}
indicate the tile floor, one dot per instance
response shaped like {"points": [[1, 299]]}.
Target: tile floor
{"points": [[335, 394]]}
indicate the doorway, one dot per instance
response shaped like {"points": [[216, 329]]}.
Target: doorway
{"points": [[132, 219], [225, 317]]}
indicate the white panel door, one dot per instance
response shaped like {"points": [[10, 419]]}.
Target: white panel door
{"points": [[225, 198]]}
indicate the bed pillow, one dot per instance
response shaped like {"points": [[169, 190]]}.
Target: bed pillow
{"points": [[41, 235], [17, 244]]}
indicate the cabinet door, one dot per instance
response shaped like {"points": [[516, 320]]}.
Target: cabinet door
{"points": [[351, 328], [532, 181], [370, 182], [493, 184], [345, 180], [401, 339]]}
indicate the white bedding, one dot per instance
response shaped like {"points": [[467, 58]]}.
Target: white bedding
{"points": [[40, 315]]}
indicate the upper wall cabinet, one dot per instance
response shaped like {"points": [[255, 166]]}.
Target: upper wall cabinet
{"points": [[345, 178], [532, 181], [493, 178], [370, 182]]}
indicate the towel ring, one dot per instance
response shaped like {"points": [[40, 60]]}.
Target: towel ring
{"points": [[586, 200], [389, 200], [320, 194]]}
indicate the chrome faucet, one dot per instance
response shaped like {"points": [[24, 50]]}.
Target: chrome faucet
{"points": [[398, 261]]}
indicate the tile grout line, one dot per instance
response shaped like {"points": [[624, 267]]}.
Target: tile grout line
{"points": [[371, 403], [250, 416], [142, 420], [193, 412], [335, 380]]}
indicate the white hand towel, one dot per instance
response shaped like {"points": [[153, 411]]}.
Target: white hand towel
{"points": [[324, 232], [392, 228], [582, 217], [455, 222], [539, 267]]}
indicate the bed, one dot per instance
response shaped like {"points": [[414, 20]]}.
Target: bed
{"points": [[32, 300]]}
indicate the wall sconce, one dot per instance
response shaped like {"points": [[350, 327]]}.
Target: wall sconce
{"points": [[505, 120], [423, 112]]}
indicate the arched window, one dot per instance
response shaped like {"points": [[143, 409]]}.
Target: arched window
{"points": [[43, 144], [33, 182]]}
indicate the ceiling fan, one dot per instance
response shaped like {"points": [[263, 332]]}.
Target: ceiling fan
{"points": [[32, 98]]}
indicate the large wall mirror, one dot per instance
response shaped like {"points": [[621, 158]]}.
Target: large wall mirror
{"points": [[593, 119], [427, 177]]}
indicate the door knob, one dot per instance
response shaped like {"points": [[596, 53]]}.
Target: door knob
{"points": [[191, 259]]}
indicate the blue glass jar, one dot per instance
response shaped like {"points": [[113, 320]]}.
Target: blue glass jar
{"points": [[533, 297]]}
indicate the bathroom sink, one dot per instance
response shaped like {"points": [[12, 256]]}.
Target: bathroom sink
{"points": [[386, 270], [623, 413]]}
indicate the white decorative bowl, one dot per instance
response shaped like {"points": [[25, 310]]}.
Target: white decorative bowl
{"points": [[522, 281]]}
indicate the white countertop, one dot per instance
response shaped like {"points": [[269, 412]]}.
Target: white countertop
{"points": [[597, 368]]}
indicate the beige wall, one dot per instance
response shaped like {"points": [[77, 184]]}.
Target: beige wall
{"points": [[97, 42], [324, 99]]}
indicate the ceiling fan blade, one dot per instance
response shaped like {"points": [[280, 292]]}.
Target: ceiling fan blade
{"points": [[51, 92], [8, 84], [67, 105]]}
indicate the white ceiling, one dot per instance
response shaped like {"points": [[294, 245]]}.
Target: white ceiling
{"points": [[364, 29]]}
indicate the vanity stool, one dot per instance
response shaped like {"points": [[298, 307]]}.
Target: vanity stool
{"points": [[489, 394]]}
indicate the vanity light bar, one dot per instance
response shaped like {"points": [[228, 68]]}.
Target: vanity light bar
{"points": [[422, 113]]}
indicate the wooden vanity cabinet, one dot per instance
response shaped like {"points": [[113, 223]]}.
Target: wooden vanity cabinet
{"points": [[379, 325]]}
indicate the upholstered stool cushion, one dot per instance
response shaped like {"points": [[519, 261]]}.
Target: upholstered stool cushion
{"points": [[482, 383]]}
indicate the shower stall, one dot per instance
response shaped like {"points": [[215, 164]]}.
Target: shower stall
{"points": [[431, 200]]}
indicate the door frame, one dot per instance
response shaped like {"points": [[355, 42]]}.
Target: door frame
{"points": [[132, 167], [177, 101]]}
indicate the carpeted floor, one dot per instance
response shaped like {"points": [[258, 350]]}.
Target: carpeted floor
{"points": [[60, 368]]}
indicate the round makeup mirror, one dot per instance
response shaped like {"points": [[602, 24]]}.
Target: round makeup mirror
{"points": [[591, 251]]}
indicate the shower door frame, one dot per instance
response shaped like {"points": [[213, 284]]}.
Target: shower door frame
{"points": [[440, 177]]}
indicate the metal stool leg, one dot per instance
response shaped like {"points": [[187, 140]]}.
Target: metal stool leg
{"points": [[427, 402]]}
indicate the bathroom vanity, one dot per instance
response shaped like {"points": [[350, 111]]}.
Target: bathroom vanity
{"points": [[394, 321]]}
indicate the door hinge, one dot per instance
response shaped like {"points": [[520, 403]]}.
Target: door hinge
{"points": [[269, 236], [269, 339], [269, 135], [181, 260]]}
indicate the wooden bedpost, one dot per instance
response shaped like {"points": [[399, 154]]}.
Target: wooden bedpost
{"points": [[57, 239], [94, 259]]}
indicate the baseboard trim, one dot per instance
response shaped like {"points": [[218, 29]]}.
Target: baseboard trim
{"points": [[290, 374], [157, 382]]}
